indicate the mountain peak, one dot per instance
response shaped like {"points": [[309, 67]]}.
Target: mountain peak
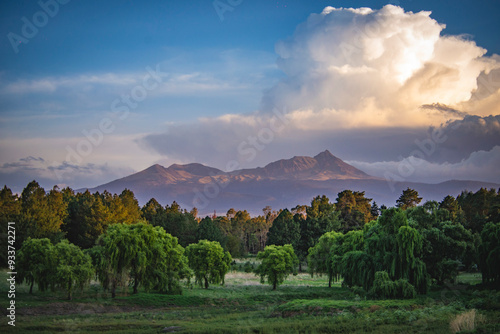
{"points": [[155, 168], [325, 155], [196, 169], [327, 161]]}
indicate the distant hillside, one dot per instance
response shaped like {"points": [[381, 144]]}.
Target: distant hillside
{"points": [[280, 184]]}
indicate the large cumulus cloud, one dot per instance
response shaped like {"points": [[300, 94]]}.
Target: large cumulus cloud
{"points": [[364, 67]]}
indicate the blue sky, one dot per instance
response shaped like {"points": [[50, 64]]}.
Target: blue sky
{"points": [[220, 80]]}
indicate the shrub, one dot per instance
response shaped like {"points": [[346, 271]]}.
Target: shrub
{"points": [[384, 287], [248, 268]]}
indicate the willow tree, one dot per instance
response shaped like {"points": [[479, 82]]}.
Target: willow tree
{"points": [[358, 269], [167, 264], [72, 268], [142, 243], [391, 245], [489, 254], [35, 263], [409, 265], [117, 251], [209, 262], [320, 260], [144, 254], [384, 287]]}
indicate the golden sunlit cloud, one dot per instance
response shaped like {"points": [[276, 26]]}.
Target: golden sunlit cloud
{"points": [[363, 67]]}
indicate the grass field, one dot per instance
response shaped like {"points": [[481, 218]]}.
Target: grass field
{"points": [[301, 305]]}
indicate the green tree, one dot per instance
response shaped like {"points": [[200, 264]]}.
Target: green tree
{"points": [[41, 214], [235, 246], [408, 199], [35, 263], [167, 264], [151, 210], [131, 210], [285, 230], [375, 210], [394, 246], [178, 223], [277, 263], [423, 218], [358, 269], [209, 262], [479, 208], [355, 209], [320, 260], [239, 222], [445, 248], [489, 254], [321, 217], [384, 287], [88, 218], [208, 230], [410, 265], [255, 234], [117, 251], [450, 204], [141, 253], [72, 267]]}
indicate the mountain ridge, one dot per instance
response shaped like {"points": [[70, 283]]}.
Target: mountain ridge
{"points": [[282, 183]]}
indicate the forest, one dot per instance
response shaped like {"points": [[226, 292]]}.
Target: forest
{"points": [[65, 240]]}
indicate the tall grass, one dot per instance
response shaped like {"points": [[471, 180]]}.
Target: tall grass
{"points": [[465, 321]]}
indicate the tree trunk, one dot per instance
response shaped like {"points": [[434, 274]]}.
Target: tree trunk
{"points": [[69, 289], [31, 287], [274, 285], [206, 283], [136, 285], [330, 282], [113, 289]]}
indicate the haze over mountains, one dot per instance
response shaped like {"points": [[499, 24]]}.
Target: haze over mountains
{"points": [[280, 184]]}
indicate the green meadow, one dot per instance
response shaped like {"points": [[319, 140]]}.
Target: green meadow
{"points": [[303, 304]]}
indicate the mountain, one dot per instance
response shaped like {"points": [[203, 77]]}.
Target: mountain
{"points": [[324, 166], [280, 184]]}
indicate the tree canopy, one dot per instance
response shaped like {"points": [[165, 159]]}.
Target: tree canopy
{"points": [[277, 263], [209, 262], [139, 252], [73, 268], [408, 199]]}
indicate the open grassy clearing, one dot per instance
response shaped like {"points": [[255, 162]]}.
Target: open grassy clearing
{"points": [[301, 305]]}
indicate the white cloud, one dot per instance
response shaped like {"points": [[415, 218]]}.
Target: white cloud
{"points": [[479, 166], [366, 67], [52, 84], [50, 160]]}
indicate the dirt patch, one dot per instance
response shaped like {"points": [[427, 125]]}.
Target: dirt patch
{"points": [[67, 308]]}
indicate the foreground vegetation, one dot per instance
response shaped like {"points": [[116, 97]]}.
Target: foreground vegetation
{"points": [[129, 269], [301, 305]]}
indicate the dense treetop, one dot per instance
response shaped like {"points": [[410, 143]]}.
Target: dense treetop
{"points": [[387, 251]]}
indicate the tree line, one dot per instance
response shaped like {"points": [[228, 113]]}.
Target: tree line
{"points": [[387, 251]]}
